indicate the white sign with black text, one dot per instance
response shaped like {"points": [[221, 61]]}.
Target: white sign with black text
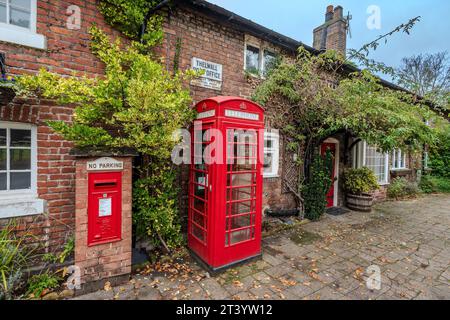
{"points": [[104, 164], [212, 74]]}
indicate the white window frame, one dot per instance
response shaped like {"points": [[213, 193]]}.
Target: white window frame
{"points": [[274, 150], [32, 192], [360, 160], [263, 60], [23, 36], [398, 160], [18, 203], [245, 56]]}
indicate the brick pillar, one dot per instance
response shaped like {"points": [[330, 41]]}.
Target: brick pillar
{"points": [[109, 261]]}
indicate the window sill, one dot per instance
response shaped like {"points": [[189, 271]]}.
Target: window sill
{"points": [[20, 207], [22, 37], [270, 176]]}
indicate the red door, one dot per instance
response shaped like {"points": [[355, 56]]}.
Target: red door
{"points": [[330, 194]]}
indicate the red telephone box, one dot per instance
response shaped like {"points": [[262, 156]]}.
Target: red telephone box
{"points": [[104, 207], [225, 197]]}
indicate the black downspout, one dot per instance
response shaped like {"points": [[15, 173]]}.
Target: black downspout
{"points": [[150, 12]]}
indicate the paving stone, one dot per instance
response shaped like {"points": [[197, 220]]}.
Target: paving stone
{"points": [[408, 240], [148, 293], [214, 289]]}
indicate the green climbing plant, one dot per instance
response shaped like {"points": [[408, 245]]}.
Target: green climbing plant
{"points": [[136, 105]]}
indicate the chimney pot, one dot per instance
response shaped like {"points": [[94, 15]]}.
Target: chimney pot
{"points": [[333, 33], [338, 12], [329, 14]]}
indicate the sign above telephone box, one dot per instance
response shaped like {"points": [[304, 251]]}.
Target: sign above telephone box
{"points": [[212, 76], [105, 163]]}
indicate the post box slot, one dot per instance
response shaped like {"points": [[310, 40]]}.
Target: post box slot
{"points": [[111, 183]]}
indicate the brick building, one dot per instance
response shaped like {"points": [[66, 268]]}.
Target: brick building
{"points": [[37, 173]]}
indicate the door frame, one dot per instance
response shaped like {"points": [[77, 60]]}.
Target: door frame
{"points": [[336, 169]]}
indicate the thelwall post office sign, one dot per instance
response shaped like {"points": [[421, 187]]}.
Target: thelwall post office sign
{"points": [[212, 76]]}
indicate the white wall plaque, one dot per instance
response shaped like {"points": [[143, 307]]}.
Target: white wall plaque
{"points": [[242, 115], [212, 76], [105, 164]]}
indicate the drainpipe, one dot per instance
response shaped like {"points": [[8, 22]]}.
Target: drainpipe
{"points": [[150, 12]]}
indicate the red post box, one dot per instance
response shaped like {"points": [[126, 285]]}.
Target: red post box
{"points": [[225, 198], [104, 207]]}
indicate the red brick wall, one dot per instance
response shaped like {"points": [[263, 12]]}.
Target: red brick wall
{"points": [[67, 52], [202, 37]]}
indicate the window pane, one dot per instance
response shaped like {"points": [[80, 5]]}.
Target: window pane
{"points": [[198, 233], [376, 162], [20, 159], [2, 137], [2, 12], [252, 59], [20, 138], [3, 181], [20, 180], [268, 162], [239, 236], [23, 4], [269, 61], [20, 18], [3, 159], [239, 222]]}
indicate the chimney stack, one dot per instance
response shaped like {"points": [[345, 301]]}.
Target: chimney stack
{"points": [[332, 35]]}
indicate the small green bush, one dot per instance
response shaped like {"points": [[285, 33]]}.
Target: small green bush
{"points": [[400, 187], [359, 181], [428, 184], [39, 283], [315, 192]]}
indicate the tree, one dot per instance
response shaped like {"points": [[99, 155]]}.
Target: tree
{"points": [[136, 105], [312, 98], [427, 75]]}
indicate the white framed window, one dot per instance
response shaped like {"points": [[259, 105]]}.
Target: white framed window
{"points": [[258, 61], [271, 153], [252, 59], [18, 23], [18, 160], [368, 156], [398, 160], [268, 61], [18, 171]]}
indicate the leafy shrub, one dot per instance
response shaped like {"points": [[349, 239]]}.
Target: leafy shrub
{"points": [[14, 258], [359, 181], [432, 184], [40, 283], [400, 187], [315, 192], [440, 156], [155, 210], [428, 184]]}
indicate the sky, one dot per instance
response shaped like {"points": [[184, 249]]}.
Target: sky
{"points": [[297, 19]]}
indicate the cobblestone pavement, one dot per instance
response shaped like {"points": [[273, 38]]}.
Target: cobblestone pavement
{"points": [[408, 240]]}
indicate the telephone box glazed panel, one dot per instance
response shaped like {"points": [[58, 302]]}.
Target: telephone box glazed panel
{"points": [[104, 207], [225, 197]]}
